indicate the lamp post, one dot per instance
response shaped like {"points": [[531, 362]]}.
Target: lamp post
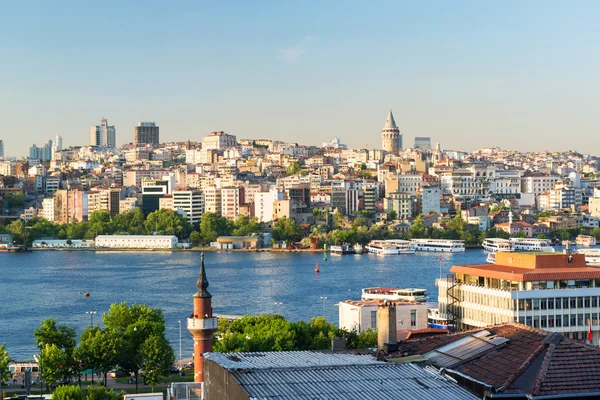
{"points": [[180, 361], [40, 371], [324, 298], [91, 317], [278, 304]]}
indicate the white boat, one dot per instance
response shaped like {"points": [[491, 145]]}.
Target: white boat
{"points": [[585, 241], [434, 320], [358, 249], [497, 244], [526, 244], [491, 258], [592, 256], [395, 294], [440, 245], [337, 249], [391, 247]]}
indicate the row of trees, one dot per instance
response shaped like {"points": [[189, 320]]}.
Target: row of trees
{"points": [[275, 333], [133, 339]]}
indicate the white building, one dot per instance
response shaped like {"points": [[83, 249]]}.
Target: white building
{"points": [[218, 141], [190, 203], [103, 135], [137, 241], [263, 204], [63, 243], [430, 199], [554, 292], [361, 315], [48, 209]]}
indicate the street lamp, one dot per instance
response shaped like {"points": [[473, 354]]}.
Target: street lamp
{"points": [[180, 361], [91, 317], [324, 298], [278, 304]]}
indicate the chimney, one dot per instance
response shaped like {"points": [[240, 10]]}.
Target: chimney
{"points": [[386, 327]]}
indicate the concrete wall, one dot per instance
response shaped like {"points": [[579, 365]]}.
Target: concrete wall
{"points": [[220, 385]]}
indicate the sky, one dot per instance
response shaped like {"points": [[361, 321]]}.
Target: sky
{"points": [[468, 74]]}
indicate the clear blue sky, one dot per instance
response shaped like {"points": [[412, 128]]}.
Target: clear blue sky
{"points": [[518, 74]]}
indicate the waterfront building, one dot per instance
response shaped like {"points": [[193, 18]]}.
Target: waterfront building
{"points": [[62, 243], [70, 205], [103, 135], [263, 204], [554, 292], [145, 133], [391, 138], [201, 323], [423, 143], [218, 141], [136, 241], [361, 315]]}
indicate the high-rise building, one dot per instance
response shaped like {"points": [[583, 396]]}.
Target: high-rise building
{"points": [[423, 143], [34, 152], [391, 138], [103, 134], [145, 133], [1, 149]]}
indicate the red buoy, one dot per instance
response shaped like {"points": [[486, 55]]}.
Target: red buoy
{"points": [[317, 268]]}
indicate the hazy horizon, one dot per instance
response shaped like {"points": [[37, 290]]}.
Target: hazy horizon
{"points": [[522, 76]]}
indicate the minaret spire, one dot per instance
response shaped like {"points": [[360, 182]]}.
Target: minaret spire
{"points": [[202, 282]]}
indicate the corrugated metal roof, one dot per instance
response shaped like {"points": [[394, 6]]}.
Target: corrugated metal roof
{"points": [[285, 359], [351, 382]]}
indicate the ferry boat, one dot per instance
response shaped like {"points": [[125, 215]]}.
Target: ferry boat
{"points": [[520, 244], [14, 249], [343, 249], [358, 249], [497, 244], [585, 241], [434, 320], [440, 245], [391, 247], [592, 256], [395, 294]]}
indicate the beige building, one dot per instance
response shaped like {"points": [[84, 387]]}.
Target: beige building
{"points": [[231, 199], [212, 200], [361, 315]]}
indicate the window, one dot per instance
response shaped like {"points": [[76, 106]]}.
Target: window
{"points": [[544, 304], [573, 302], [580, 302], [413, 317], [573, 320], [373, 319], [594, 301], [566, 320], [536, 304], [580, 320], [586, 302]]}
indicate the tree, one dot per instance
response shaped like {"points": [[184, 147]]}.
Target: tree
{"points": [[542, 236], [63, 338], [418, 229], [294, 168], [195, 238], [392, 215], [68, 393], [157, 359], [101, 393], [287, 229], [99, 349], [245, 226], [53, 361], [167, 222], [212, 226], [135, 325], [18, 230], [5, 373], [250, 333]]}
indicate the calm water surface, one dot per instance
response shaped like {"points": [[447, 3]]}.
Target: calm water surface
{"points": [[50, 284]]}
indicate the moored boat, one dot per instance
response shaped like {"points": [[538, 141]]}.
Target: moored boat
{"points": [[395, 294], [497, 244], [585, 241], [592, 256], [439, 245], [526, 244], [434, 320], [340, 249], [358, 249], [391, 247]]}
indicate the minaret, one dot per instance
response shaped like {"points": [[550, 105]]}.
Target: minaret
{"points": [[391, 138], [201, 324]]}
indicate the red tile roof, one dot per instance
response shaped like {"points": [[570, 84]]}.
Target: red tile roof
{"points": [[527, 274]]}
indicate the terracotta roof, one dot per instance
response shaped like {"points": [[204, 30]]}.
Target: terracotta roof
{"points": [[525, 274]]}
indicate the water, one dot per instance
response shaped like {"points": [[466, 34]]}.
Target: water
{"points": [[50, 284]]}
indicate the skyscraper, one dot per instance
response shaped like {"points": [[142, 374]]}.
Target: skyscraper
{"points": [[391, 138], [423, 143], [145, 133], [34, 152], [56, 146], [1, 149], [103, 134]]}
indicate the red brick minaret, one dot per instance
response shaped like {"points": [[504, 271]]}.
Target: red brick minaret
{"points": [[201, 324]]}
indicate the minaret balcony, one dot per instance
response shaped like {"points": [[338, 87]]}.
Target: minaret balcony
{"points": [[202, 323]]}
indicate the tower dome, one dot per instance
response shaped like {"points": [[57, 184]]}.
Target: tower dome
{"points": [[391, 138]]}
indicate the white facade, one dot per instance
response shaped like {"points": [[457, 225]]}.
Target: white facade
{"points": [[190, 202], [218, 141], [137, 241], [62, 243], [263, 204], [361, 315], [48, 209], [212, 200]]}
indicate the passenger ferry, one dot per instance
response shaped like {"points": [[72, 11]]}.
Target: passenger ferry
{"points": [[526, 244], [497, 244], [434, 320], [592, 256], [585, 241], [441, 245], [395, 294], [391, 247], [343, 249]]}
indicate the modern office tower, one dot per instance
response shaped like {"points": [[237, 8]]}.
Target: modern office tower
{"points": [[1, 149], [34, 152], [391, 138], [423, 143], [103, 134], [145, 133]]}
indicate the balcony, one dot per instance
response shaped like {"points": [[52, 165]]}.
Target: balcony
{"points": [[202, 323]]}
